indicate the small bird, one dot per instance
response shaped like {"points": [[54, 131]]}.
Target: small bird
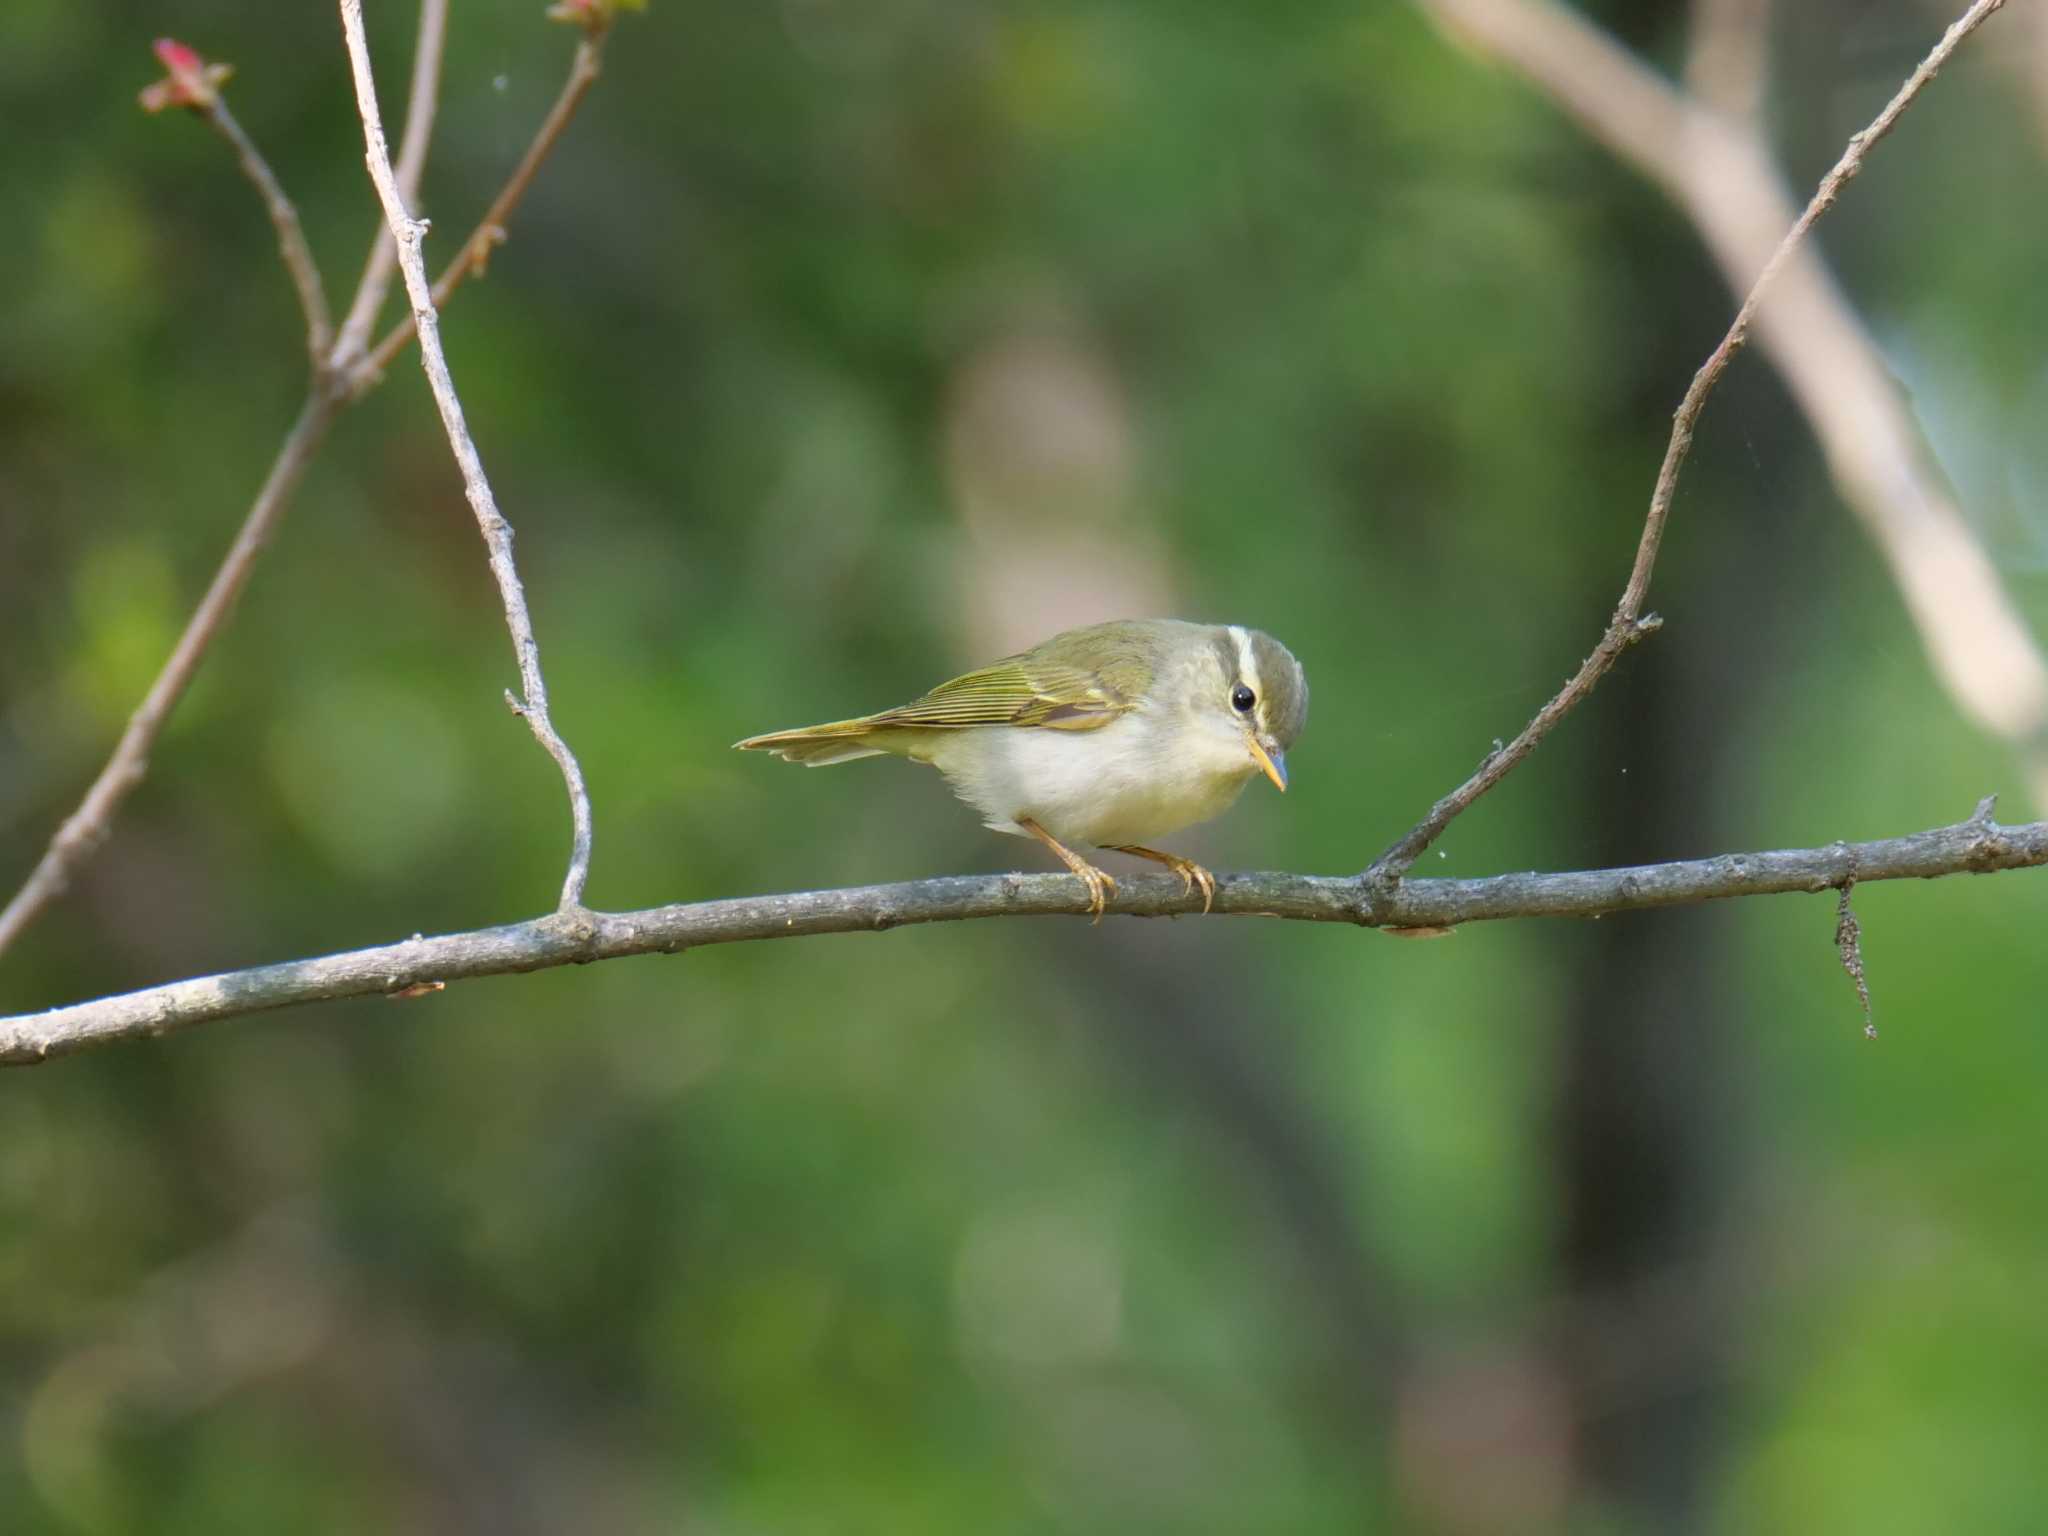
{"points": [[1109, 736]]}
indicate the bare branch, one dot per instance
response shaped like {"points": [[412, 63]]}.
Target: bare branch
{"points": [[192, 83], [1724, 67], [1979, 845], [291, 239], [489, 233], [1538, 25], [1849, 945], [88, 826], [1721, 172], [407, 232], [422, 100], [420, 106]]}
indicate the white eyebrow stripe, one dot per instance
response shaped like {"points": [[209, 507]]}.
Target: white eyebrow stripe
{"points": [[1245, 667]]}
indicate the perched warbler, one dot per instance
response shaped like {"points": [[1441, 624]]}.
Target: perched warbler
{"points": [[1105, 737]]}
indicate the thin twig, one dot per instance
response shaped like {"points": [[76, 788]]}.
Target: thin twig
{"points": [[1979, 845], [88, 826], [291, 239], [421, 102], [489, 233], [497, 533], [1849, 945], [1628, 624], [1721, 173]]}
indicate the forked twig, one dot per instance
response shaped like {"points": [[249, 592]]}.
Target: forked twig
{"points": [[1706, 149], [421, 103], [407, 233], [87, 827], [1628, 624], [489, 233]]}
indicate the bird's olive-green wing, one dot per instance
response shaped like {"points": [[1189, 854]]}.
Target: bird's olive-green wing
{"points": [[1019, 690]]}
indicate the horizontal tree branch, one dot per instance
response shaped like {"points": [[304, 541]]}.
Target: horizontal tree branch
{"points": [[1979, 845]]}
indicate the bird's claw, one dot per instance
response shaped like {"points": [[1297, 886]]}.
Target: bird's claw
{"points": [[1101, 886], [1191, 874]]}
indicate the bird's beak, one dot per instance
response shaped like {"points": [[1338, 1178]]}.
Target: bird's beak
{"points": [[1271, 760]]}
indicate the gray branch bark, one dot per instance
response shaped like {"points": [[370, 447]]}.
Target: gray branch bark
{"points": [[1538, 26], [531, 704], [1979, 845], [1719, 168], [340, 379]]}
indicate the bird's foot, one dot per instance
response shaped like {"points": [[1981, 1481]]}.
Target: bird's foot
{"points": [[1101, 886], [1100, 882], [1191, 874]]}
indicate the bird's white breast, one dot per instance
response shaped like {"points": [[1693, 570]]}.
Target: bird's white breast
{"points": [[1122, 783]]}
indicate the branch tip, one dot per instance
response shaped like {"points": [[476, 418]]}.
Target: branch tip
{"points": [[595, 17], [1849, 946], [189, 80]]}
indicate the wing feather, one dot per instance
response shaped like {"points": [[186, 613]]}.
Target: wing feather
{"points": [[1019, 690], [1031, 689]]}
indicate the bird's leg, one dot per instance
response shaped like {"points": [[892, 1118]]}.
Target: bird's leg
{"points": [[1191, 874], [1101, 884]]}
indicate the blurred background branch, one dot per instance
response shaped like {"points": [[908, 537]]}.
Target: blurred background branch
{"points": [[1726, 62], [1711, 158], [1628, 624]]}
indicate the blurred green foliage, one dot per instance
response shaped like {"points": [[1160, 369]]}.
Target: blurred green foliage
{"points": [[837, 345]]}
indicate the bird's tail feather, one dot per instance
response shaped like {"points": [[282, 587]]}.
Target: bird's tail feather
{"points": [[817, 746]]}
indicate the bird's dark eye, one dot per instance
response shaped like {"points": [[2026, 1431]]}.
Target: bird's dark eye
{"points": [[1242, 698]]}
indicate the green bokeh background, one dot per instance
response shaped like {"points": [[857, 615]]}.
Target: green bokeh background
{"points": [[837, 346]]}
